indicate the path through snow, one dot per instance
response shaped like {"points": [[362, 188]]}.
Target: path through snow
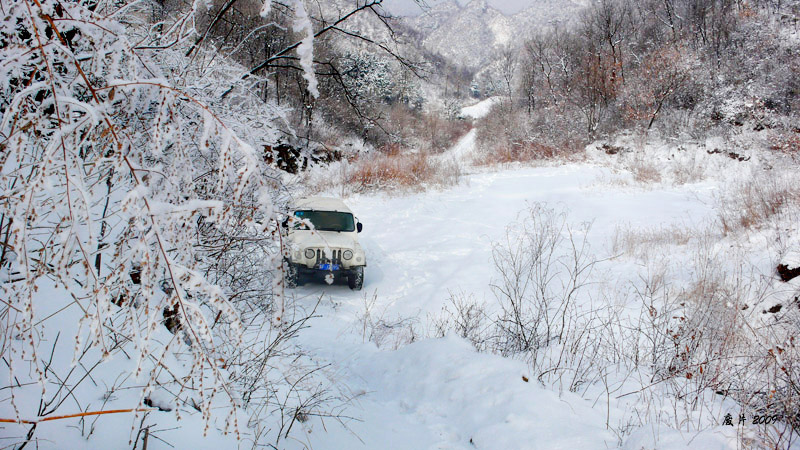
{"points": [[440, 393], [480, 109]]}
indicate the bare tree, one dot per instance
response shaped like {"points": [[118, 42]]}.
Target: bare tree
{"points": [[509, 61]]}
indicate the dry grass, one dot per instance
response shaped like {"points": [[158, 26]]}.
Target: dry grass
{"points": [[645, 171], [524, 152], [506, 135], [756, 202], [409, 157], [414, 171], [641, 243], [383, 170], [787, 142]]}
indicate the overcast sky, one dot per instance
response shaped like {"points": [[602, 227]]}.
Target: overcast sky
{"points": [[410, 8]]}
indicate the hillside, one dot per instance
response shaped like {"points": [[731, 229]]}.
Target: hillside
{"points": [[472, 35]]}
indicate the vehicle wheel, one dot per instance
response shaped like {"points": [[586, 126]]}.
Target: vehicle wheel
{"points": [[292, 276], [356, 279]]}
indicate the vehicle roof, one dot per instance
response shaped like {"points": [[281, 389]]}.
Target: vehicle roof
{"points": [[322, 204]]}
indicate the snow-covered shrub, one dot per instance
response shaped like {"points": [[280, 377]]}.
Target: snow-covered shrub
{"points": [[771, 388], [711, 330], [449, 172], [645, 170], [431, 131], [467, 318], [542, 264], [375, 326], [439, 133], [132, 197]]}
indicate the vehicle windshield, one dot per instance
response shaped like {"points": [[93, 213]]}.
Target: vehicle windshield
{"points": [[327, 220]]}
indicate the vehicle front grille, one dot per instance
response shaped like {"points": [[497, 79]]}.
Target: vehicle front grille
{"points": [[336, 257]]}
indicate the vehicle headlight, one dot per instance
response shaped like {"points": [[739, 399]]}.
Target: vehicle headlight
{"points": [[310, 253], [347, 254]]}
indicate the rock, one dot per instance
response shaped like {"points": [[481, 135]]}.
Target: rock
{"points": [[738, 157], [789, 267], [136, 275], [611, 149], [787, 273]]}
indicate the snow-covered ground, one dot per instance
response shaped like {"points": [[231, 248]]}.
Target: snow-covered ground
{"points": [[462, 150], [480, 109], [441, 393], [404, 387]]}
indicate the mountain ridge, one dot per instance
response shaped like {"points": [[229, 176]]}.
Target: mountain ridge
{"points": [[470, 35]]}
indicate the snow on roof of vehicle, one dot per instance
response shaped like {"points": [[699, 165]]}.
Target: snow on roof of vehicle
{"points": [[322, 204]]}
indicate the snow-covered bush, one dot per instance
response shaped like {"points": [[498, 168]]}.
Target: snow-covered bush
{"points": [[467, 318], [711, 329], [542, 264], [374, 325], [131, 198], [681, 340]]}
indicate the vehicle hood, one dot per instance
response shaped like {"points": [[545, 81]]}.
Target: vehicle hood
{"points": [[331, 239]]}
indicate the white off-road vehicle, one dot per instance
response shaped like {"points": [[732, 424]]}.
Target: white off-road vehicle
{"points": [[322, 242]]}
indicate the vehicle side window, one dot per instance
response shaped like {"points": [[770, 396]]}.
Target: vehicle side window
{"points": [[300, 224]]}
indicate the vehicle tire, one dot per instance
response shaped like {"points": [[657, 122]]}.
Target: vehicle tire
{"points": [[356, 278], [292, 276]]}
